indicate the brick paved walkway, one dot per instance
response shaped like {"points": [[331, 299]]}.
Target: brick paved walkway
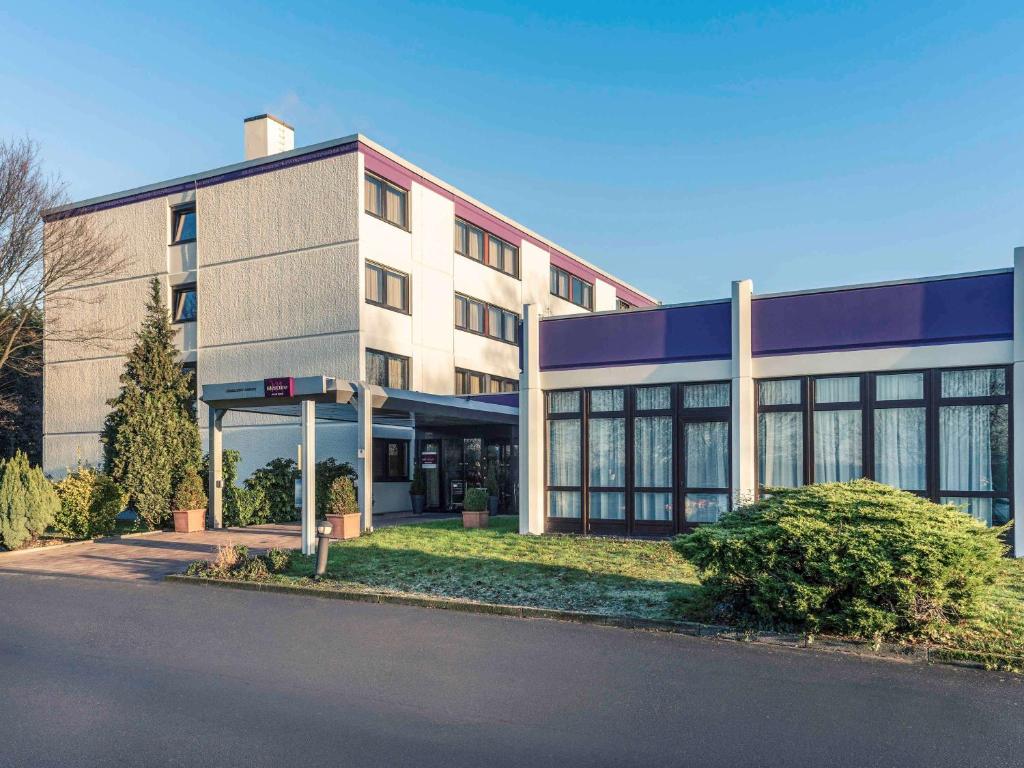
{"points": [[144, 557]]}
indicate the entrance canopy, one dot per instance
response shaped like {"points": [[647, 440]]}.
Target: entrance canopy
{"points": [[309, 398]]}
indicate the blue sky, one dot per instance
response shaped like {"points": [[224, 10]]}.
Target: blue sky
{"points": [[679, 145]]}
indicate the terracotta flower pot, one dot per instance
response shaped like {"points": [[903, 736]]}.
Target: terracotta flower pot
{"points": [[344, 527], [474, 519], [189, 520]]}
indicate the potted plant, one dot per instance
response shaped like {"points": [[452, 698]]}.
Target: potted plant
{"points": [[189, 504], [474, 508], [418, 492], [342, 510], [492, 488]]}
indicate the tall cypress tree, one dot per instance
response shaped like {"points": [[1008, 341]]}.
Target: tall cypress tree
{"points": [[150, 438]]}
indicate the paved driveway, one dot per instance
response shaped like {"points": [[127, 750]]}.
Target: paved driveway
{"points": [[148, 557]]}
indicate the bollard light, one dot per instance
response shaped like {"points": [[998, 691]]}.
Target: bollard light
{"points": [[323, 544]]}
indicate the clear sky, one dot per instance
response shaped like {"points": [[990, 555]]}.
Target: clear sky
{"points": [[679, 145]]}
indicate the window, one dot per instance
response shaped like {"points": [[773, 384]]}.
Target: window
{"points": [[184, 301], [479, 245], [390, 460], [387, 287], [183, 224], [564, 464], [943, 434], [386, 201], [572, 288], [606, 455], [705, 482], [477, 316], [475, 383], [386, 369], [623, 304], [652, 455]]}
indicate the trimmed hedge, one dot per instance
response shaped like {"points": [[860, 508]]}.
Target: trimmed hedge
{"points": [[860, 559], [89, 504]]}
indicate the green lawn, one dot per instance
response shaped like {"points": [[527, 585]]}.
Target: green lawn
{"points": [[497, 565], [596, 575]]}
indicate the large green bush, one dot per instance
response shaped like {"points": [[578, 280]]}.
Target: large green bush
{"points": [[859, 559], [28, 502], [89, 504], [150, 437], [277, 482]]}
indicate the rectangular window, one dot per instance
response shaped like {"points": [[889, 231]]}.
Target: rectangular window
{"points": [[475, 383], [564, 472], [477, 316], [386, 369], [705, 483], [184, 300], [572, 288], [622, 304], [387, 201], [479, 245], [387, 288], [652, 468], [390, 460], [183, 224], [780, 433]]}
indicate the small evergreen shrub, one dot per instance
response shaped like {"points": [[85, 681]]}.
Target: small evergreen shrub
{"points": [[28, 502], [327, 471], [276, 481], [278, 560], [476, 500], [250, 507], [235, 562], [190, 493], [859, 559], [89, 504], [341, 497]]}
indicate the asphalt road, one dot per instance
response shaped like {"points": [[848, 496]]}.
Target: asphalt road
{"points": [[113, 673]]}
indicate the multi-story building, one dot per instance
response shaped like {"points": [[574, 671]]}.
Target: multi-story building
{"points": [[339, 257]]}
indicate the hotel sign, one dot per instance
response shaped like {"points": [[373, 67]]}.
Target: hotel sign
{"points": [[280, 387]]}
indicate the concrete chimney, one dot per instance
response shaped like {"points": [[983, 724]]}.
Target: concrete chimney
{"points": [[267, 135]]}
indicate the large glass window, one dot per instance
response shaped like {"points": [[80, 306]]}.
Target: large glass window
{"points": [[390, 460], [606, 456], [943, 434], [572, 288], [387, 201], [652, 455], [564, 465], [477, 316], [386, 369]]}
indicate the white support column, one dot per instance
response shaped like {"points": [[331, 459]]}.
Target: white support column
{"points": [[743, 450], [1017, 449], [215, 491], [531, 427], [364, 454], [308, 471]]}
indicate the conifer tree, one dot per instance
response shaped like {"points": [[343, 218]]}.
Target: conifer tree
{"points": [[28, 502], [151, 439]]}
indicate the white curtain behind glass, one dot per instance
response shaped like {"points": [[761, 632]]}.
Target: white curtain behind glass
{"points": [[837, 446], [564, 452], [652, 437], [965, 447], [607, 439], [900, 447], [707, 454], [900, 386], [706, 395], [844, 389], [980, 382], [786, 392], [781, 445]]}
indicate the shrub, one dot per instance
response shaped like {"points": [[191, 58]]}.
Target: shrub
{"points": [[276, 480], [28, 502], [250, 507], [190, 493], [341, 497], [89, 504], [235, 562], [493, 489], [418, 486], [859, 559], [278, 560], [327, 471], [476, 500]]}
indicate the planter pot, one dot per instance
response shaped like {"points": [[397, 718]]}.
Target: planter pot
{"points": [[419, 503], [474, 519], [344, 527], [189, 520], [492, 505]]}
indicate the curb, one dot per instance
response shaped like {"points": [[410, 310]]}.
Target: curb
{"points": [[886, 652], [82, 542]]}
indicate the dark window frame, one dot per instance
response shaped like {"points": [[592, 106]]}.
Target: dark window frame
{"points": [[381, 470], [406, 225], [932, 401], [384, 271], [630, 412], [487, 308], [486, 379], [556, 272], [177, 291], [388, 356], [485, 252], [622, 305], [178, 213]]}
